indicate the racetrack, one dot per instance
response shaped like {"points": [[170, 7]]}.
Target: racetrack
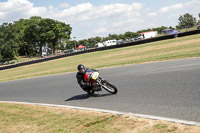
{"points": [[167, 89]]}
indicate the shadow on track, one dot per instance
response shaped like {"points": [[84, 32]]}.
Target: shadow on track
{"points": [[86, 96]]}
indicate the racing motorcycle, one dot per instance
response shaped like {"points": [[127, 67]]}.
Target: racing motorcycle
{"points": [[97, 83]]}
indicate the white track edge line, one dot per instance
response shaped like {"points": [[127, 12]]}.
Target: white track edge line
{"points": [[193, 123]]}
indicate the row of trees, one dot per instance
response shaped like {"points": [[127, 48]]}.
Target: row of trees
{"points": [[28, 36]]}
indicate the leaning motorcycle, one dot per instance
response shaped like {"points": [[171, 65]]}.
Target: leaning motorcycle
{"points": [[97, 83]]}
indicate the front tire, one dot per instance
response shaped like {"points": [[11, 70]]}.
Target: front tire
{"points": [[109, 87]]}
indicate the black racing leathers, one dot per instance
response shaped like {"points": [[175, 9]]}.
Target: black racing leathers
{"points": [[80, 78]]}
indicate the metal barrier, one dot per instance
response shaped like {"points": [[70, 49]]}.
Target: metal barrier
{"points": [[104, 48]]}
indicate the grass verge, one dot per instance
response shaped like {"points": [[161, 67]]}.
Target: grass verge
{"points": [[31, 118], [177, 48]]}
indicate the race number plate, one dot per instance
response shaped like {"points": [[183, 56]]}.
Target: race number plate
{"points": [[94, 75]]}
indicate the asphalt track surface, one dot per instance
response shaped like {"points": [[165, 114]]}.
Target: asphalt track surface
{"points": [[167, 89]]}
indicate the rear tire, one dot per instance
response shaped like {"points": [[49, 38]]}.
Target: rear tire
{"points": [[109, 87]]}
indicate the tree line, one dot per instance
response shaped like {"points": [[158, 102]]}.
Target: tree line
{"points": [[27, 37]]}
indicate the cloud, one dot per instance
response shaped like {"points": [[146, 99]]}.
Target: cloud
{"points": [[166, 9], [153, 14], [65, 5], [192, 7], [89, 12], [128, 22], [78, 13], [103, 23], [16, 9], [100, 30], [170, 8]]}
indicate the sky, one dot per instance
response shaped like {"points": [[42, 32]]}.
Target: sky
{"points": [[91, 18]]}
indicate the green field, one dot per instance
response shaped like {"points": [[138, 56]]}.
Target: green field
{"points": [[177, 48]]}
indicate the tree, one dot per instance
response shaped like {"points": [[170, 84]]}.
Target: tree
{"points": [[8, 42], [160, 29], [29, 36], [42, 32], [98, 39], [186, 21], [55, 32], [1, 56], [128, 35], [91, 42], [83, 42], [69, 44], [121, 36], [20, 26], [32, 36], [113, 36]]}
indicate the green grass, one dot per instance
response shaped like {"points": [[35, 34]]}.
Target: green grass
{"points": [[177, 48], [25, 59], [159, 126], [21, 118]]}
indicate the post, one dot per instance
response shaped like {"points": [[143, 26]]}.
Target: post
{"points": [[75, 42]]}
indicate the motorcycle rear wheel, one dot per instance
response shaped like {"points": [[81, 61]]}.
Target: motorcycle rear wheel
{"points": [[109, 87]]}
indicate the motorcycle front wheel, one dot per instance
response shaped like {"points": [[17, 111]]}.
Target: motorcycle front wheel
{"points": [[109, 87]]}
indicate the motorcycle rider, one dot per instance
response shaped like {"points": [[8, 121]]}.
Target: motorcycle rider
{"points": [[82, 70]]}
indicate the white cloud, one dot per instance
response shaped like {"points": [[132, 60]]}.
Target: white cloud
{"points": [[170, 8], [168, 15], [65, 5], [16, 9], [2, 15], [100, 30], [166, 9], [103, 23], [177, 6], [80, 12], [127, 22], [192, 7], [153, 14], [88, 12]]}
